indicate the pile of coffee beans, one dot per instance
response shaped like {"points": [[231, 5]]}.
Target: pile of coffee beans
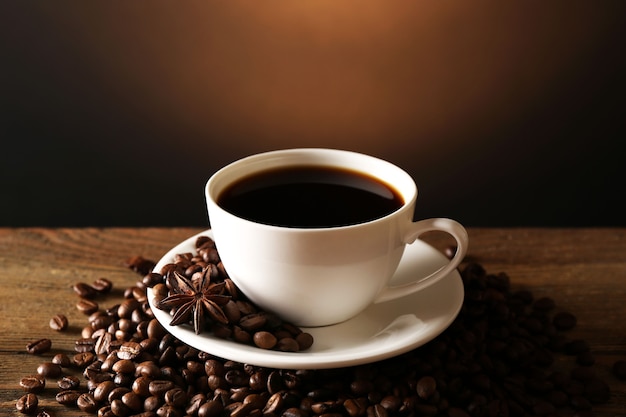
{"points": [[246, 323], [506, 354]]}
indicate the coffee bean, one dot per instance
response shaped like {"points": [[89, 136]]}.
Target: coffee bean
{"points": [[160, 387], [117, 393], [619, 369], [105, 411], [152, 279], [102, 390], [176, 397], [152, 403], [126, 308], [124, 366], [123, 380], [133, 401], [378, 410], [103, 343], [155, 330], [62, 360], [67, 397], [211, 256], [139, 294], [39, 346], [140, 264], [287, 344], [87, 306], [304, 340], [96, 376], [120, 409], [597, 391], [58, 322], [246, 308], [167, 410], [253, 322], [294, 412], [232, 312], [241, 336], [544, 304], [87, 403], [211, 408], [564, 321], [87, 332], [69, 382], [578, 402], [33, 383], [83, 359], [84, 290], [129, 350], [355, 406], [264, 340], [236, 377], [102, 285], [148, 369], [27, 404], [49, 370], [100, 321], [426, 387]]}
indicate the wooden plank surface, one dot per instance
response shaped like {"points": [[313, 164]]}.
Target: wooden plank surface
{"points": [[583, 270]]}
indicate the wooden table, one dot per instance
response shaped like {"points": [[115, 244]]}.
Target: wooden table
{"points": [[583, 270]]}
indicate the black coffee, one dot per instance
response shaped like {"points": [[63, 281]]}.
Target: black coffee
{"points": [[310, 197]]}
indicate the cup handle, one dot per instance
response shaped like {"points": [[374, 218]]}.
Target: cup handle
{"points": [[456, 230]]}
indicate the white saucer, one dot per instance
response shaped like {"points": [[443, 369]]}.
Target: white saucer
{"points": [[381, 331]]}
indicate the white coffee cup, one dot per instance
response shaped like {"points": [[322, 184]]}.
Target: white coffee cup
{"points": [[322, 276]]}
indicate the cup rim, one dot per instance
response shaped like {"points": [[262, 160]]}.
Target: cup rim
{"points": [[315, 156]]}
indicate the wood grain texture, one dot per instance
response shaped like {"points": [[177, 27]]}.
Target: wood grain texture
{"points": [[583, 270]]}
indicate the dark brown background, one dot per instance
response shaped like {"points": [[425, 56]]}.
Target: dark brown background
{"points": [[116, 113]]}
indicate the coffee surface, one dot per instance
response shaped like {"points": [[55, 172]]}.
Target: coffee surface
{"points": [[310, 197]]}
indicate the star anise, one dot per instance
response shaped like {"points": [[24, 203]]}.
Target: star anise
{"points": [[192, 298]]}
